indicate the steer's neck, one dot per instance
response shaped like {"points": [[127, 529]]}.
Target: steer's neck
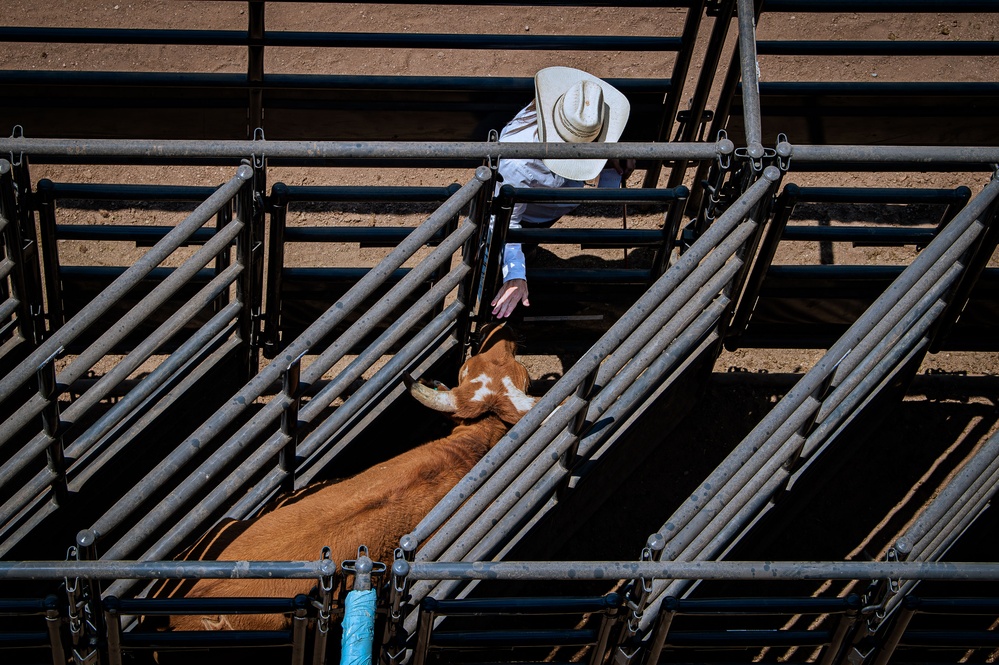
{"points": [[470, 441]]}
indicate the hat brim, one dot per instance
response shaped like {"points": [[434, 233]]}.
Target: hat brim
{"points": [[550, 84]]}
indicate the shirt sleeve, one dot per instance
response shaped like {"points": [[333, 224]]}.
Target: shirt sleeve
{"points": [[514, 263]]}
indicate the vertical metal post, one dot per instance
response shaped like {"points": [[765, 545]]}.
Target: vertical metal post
{"points": [[423, 629], [278, 209], [568, 459], [255, 66], [891, 641], [325, 607], [599, 651], [224, 258], [112, 619], [781, 213], [91, 619], [299, 625], [638, 598], [14, 250], [474, 254], [978, 258], [671, 104], [394, 640], [714, 182], [50, 252], [51, 426], [667, 612], [750, 79], [758, 215], [53, 624], [671, 230], [492, 260], [287, 460], [358, 623], [846, 622], [698, 102], [28, 250], [247, 252]]}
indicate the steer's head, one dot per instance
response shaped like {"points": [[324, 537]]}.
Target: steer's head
{"points": [[491, 381]]}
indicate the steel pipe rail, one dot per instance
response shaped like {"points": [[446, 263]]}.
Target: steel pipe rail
{"points": [[534, 486], [270, 373], [311, 445], [878, 342], [657, 343], [513, 570], [750, 68], [893, 154], [269, 449], [135, 273], [858, 47], [97, 350], [635, 354], [289, 38], [971, 478], [79, 407], [511, 444], [900, 290], [318, 150]]}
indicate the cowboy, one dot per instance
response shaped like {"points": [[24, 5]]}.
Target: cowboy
{"points": [[571, 106]]}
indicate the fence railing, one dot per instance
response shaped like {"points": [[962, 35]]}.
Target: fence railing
{"points": [[36, 477]]}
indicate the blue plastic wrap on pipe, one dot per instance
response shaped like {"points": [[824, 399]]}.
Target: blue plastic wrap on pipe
{"points": [[358, 628]]}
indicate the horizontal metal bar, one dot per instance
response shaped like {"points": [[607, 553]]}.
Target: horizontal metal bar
{"points": [[539, 3], [360, 149], [242, 38], [123, 192], [889, 154], [940, 91], [595, 194], [589, 237], [900, 195], [521, 605], [472, 41], [233, 83], [282, 193], [880, 235], [866, 6], [514, 570], [856, 47], [124, 233]]}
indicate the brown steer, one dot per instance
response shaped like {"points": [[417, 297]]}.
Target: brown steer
{"points": [[378, 506]]}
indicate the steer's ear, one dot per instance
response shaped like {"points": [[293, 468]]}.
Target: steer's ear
{"points": [[514, 404]]}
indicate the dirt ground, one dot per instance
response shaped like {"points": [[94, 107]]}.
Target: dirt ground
{"points": [[365, 17]]}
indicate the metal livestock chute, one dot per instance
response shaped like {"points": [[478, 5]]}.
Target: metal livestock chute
{"points": [[154, 403]]}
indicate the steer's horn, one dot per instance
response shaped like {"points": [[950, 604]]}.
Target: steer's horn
{"points": [[438, 400]]}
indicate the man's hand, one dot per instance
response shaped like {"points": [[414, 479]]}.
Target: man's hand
{"points": [[511, 294], [624, 168]]}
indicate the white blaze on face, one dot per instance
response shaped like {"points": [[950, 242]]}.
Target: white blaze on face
{"points": [[483, 391], [520, 400]]}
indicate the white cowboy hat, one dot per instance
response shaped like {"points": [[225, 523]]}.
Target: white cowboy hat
{"points": [[577, 107]]}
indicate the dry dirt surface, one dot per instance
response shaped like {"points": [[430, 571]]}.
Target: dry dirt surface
{"points": [[741, 409]]}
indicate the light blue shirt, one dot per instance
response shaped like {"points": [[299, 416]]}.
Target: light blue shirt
{"points": [[533, 173]]}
